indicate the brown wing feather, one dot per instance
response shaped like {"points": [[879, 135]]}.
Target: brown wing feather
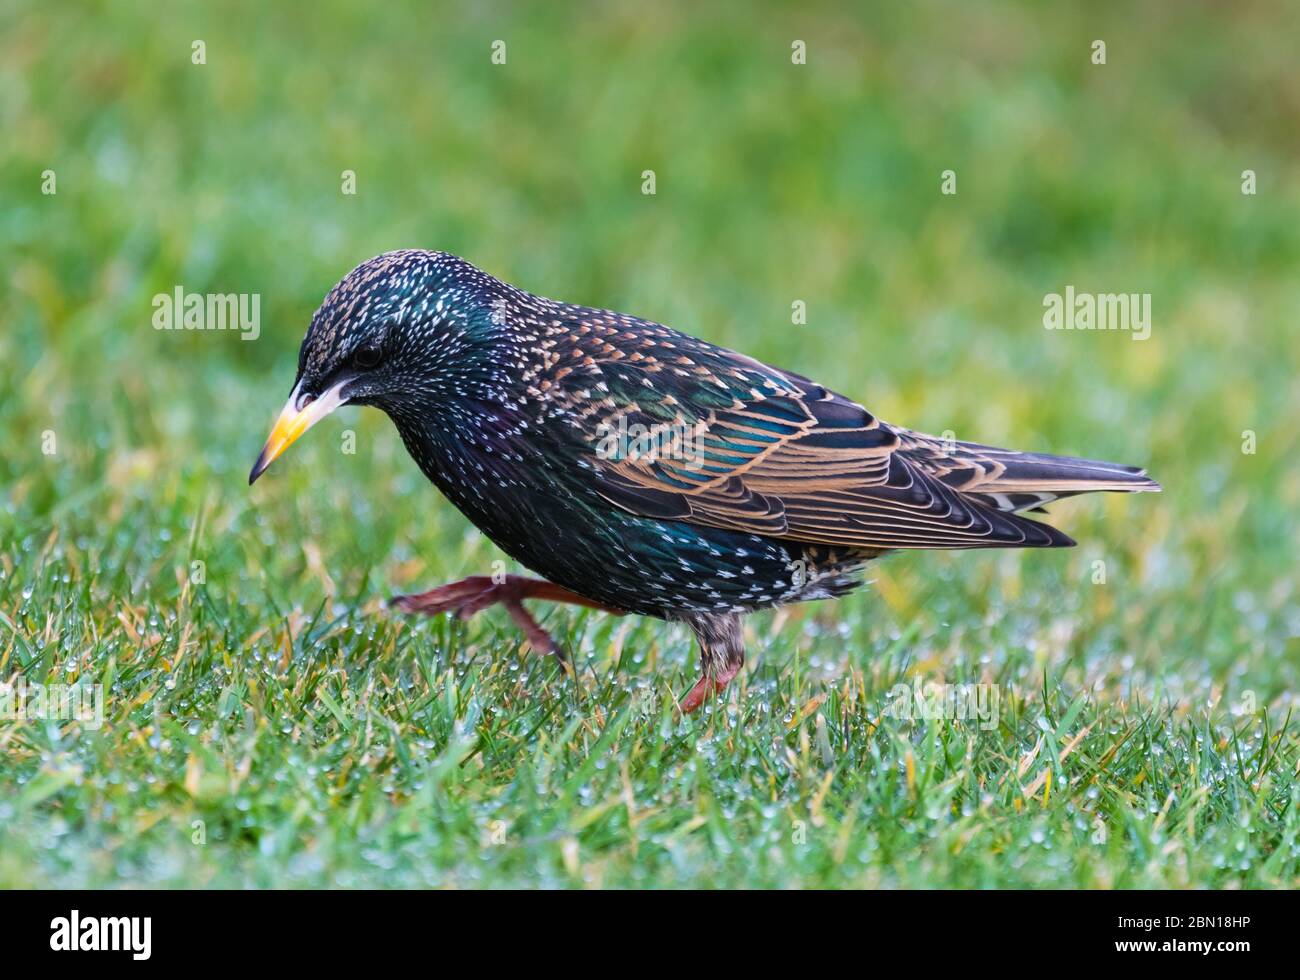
{"points": [[812, 466]]}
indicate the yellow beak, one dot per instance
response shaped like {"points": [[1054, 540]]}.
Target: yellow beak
{"points": [[294, 420]]}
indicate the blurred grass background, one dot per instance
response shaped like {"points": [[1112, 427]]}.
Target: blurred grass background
{"points": [[775, 182]]}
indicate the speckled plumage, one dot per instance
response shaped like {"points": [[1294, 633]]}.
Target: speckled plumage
{"points": [[757, 488]]}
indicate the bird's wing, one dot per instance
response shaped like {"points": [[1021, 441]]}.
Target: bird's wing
{"points": [[711, 437]]}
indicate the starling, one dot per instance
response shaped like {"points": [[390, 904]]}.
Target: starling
{"points": [[640, 470]]}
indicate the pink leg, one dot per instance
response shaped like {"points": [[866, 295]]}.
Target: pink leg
{"points": [[470, 595], [722, 654], [706, 687]]}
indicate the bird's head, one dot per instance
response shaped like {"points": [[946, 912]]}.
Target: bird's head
{"points": [[402, 332]]}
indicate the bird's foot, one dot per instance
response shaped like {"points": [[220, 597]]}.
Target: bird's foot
{"points": [[470, 595], [722, 654], [706, 687]]}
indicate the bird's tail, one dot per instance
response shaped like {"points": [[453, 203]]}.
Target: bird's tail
{"points": [[1027, 481]]}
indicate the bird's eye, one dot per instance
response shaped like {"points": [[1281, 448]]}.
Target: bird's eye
{"points": [[366, 356]]}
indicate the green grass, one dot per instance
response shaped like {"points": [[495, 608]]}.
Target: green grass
{"points": [[273, 724]]}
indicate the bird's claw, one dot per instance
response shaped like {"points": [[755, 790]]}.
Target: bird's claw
{"points": [[705, 688], [476, 593]]}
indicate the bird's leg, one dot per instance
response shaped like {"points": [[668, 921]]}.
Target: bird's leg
{"points": [[722, 654], [470, 595]]}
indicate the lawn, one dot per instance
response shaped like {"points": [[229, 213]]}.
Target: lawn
{"points": [[268, 722]]}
